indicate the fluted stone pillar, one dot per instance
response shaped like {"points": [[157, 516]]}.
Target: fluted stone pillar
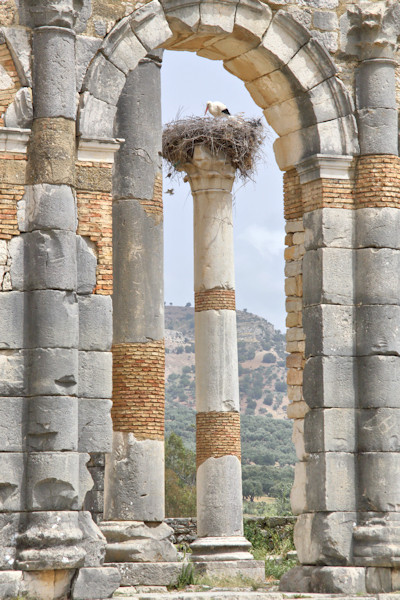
{"points": [[218, 454], [134, 476]]}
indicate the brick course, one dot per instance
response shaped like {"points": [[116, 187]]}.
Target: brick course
{"points": [[215, 299], [377, 181], [10, 194], [139, 389], [217, 434]]}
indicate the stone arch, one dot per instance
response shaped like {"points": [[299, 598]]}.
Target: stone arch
{"points": [[287, 72]]}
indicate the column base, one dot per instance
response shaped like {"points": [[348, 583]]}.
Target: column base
{"points": [[253, 570], [146, 574], [138, 542], [84, 584], [209, 549]]}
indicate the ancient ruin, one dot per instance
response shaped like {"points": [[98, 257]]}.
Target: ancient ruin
{"points": [[81, 300]]}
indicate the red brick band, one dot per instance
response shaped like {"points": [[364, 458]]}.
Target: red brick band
{"points": [[327, 193], [139, 389], [215, 299], [378, 181], [217, 434]]}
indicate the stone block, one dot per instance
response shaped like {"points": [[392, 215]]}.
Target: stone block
{"points": [[53, 79], [138, 275], [12, 417], [378, 481], [96, 117], [272, 88], [250, 570], [134, 541], [48, 584], [19, 44], [134, 479], [330, 430], [53, 371], [321, 100], [329, 330], [329, 228], [378, 430], [378, 227], [13, 380], [217, 17], [9, 528], [375, 85], [150, 25], [104, 80], [330, 482], [52, 423], [46, 206], [378, 580], [43, 260], [11, 482], [298, 498], [85, 49], [297, 580], [53, 319], [378, 130], [12, 312], [95, 375], [325, 538], [95, 583], [327, 21], [378, 330], [19, 113], [53, 481], [254, 18], [328, 382], [95, 322], [378, 381], [280, 39], [338, 580], [93, 541], [377, 280], [95, 425], [308, 68], [328, 276], [298, 439], [127, 52], [10, 582], [86, 265], [159, 573], [297, 113]]}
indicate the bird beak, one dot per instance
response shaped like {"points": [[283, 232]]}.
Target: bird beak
{"points": [[206, 110]]}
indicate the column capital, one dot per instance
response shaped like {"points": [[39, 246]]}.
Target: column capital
{"points": [[325, 166], [373, 28], [59, 13], [208, 171]]}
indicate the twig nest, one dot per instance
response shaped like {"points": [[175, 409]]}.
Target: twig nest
{"points": [[238, 139]]}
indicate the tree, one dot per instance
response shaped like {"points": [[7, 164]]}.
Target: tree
{"points": [[251, 489], [180, 478], [269, 358]]}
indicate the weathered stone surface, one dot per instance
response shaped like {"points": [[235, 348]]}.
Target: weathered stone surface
{"points": [[375, 85], [53, 481], [95, 425], [19, 113], [378, 330], [53, 319], [95, 375], [297, 580], [51, 151], [378, 580], [19, 43], [95, 322], [12, 417], [335, 474], [377, 280], [13, 380], [96, 120], [104, 80], [52, 423], [86, 265], [253, 570], [134, 479], [325, 538], [9, 526], [329, 330], [379, 484], [378, 381], [134, 541], [329, 227], [149, 24], [43, 260], [53, 78], [377, 227], [138, 287], [328, 276], [86, 48], [328, 381], [95, 583], [11, 482], [330, 430], [378, 130], [378, 430], [127, 51], [338, 580], [52, 371], [48, 584], [10, 582], [377, 539], [45, 206], [12, 309], [93, 541], [148, 573], [217, 388], [222, 548]]}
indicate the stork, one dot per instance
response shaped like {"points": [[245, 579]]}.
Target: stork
{"points": [[217, 109]]}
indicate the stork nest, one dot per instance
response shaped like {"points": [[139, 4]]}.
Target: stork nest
{"points": [[239, 139]]}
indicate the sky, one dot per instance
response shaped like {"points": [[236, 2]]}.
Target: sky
{"points": [[188, 82]]}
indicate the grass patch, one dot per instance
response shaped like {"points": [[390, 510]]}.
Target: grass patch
{"points": [[274, 570]]}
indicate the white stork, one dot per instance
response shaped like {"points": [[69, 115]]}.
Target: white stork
{"points": [[217, 109]]}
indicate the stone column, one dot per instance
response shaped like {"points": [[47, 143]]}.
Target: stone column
{"points": [[56, 537], [377, 189], [218, 453], [134, 477]]}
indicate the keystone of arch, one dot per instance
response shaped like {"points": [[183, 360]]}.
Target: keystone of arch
{"points": [[286, 71]]}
